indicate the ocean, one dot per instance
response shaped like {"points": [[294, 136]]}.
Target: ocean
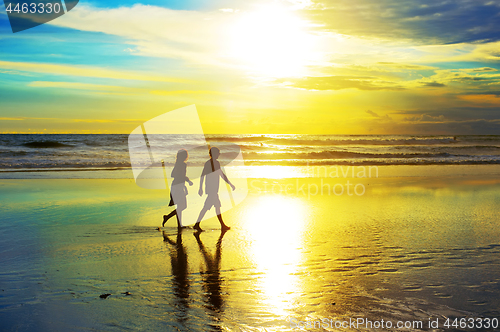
{"points": [[111, 152]]}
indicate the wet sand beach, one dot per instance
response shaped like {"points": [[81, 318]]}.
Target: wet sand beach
{"points": [[418, 244]]}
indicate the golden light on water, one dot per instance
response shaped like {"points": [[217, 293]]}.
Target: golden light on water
{"points": [[276, 226], [276, 172]]}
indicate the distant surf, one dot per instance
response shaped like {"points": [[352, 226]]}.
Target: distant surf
{"points": [[46, 144], [111, 152]]}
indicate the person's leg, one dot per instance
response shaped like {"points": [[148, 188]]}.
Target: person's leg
{"points": [[166, 217], [223, 226], [179, 220], [200, 217]]}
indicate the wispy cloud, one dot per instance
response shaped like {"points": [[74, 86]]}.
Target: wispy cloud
{"points": [[425, 124], [12, 118], [27, 118], [466, 79], [341, 82], [482, 99], [434, 84], [157, 31], [84, 71], [340, 31], [423, 21], [81, 86], [386, 117], [114, 89], [184, 92], [228, 39]]}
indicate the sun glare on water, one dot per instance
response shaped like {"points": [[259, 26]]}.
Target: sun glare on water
{"points": [[272, 41], [276, 225]]}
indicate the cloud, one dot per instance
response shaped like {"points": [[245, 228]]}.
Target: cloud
{"points": [[427, 124], [267, 39], [110, 89], [472, 79], [484, 52], [341, 82], [458, 112], [362, 32], [373, 114], [491, 93], [378, 117], [425, 21], [13, 118], [80, 86], [434, 84], [83, 71], [25, 118], [464, 127], [184, 92], [491, 99], [108, 120], [423, 118], [480, 70], [157, 31], [395, 65]]}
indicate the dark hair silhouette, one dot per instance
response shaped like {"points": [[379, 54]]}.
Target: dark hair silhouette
{"points": [[182, 156], [215, 150]]}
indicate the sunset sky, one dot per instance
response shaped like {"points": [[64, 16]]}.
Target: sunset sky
{"points": [[310, 67]]}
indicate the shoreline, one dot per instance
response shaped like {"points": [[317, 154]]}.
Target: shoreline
{"points": [[274, 172]]}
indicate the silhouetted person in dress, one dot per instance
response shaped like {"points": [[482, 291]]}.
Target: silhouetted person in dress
{"points": [[178, 191], [211, 174]]}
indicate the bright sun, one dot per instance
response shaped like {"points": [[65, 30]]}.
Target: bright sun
{"points": [[272, 42]]}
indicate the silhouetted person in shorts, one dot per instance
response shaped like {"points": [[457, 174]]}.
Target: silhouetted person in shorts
{"points": [[211, 174], [178, 191]]}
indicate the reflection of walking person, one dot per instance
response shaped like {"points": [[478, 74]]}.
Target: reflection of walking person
{"points": [[212, 281], [212, 172], [180, 274], [178, 191]]}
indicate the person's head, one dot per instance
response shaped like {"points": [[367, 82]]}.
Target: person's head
{"points": [[182, 155], [214, 152]]}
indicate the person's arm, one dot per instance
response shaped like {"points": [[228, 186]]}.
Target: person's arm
{"points": [[224, 177], [200, 191], [202, 177], [186, 179]]}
